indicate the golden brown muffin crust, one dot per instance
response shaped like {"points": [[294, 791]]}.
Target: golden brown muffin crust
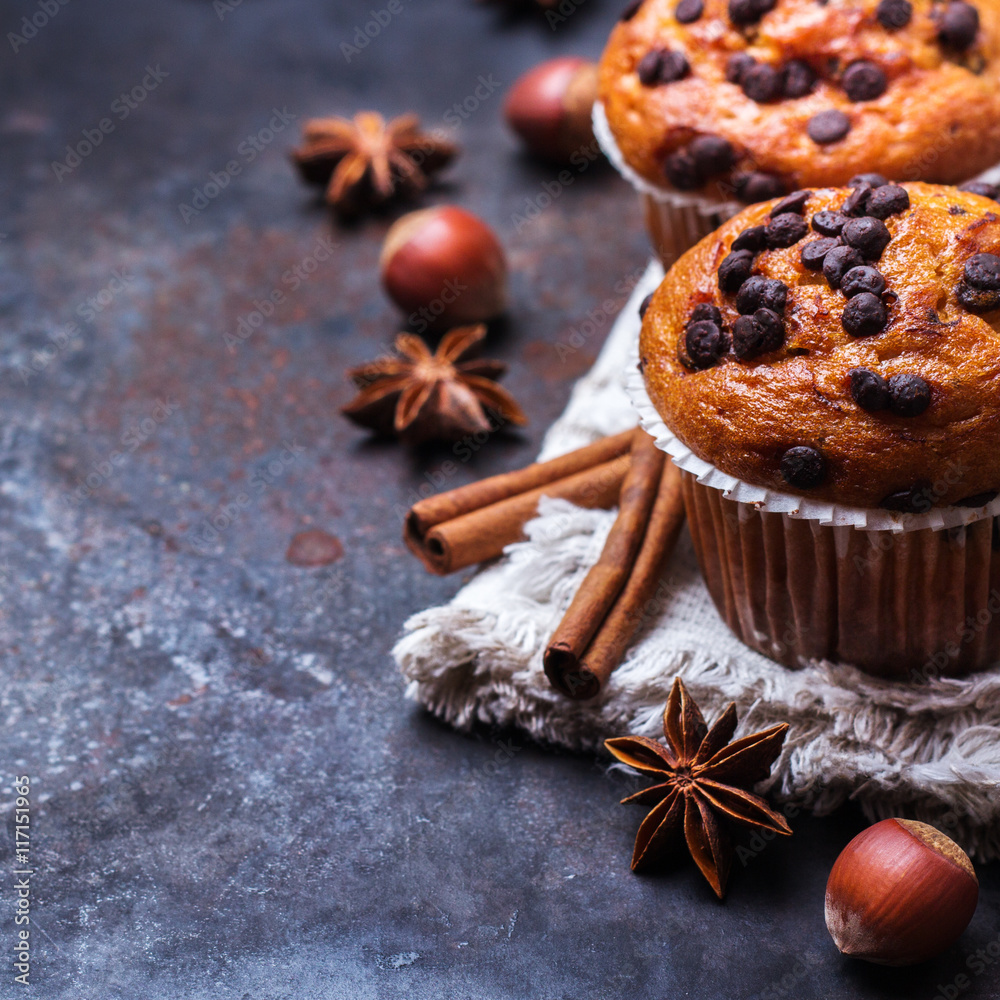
{"points": [[743, 415], [937, 120]]}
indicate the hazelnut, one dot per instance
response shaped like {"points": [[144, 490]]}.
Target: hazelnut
{"points": [[445, 267], [901, 892], [550, 107]]}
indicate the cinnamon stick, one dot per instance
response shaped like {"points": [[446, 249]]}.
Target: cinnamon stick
{"points": [[608, 646], [425, 514], [483, 534], [605, 580]]}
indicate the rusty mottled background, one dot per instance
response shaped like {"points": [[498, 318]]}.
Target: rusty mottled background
{"points": [[231, 796]]}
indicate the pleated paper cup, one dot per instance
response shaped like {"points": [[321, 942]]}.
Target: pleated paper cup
{"points": [[676, 221], [902, 596]]}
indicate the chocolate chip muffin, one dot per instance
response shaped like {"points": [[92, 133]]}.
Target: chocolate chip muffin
{"points": [[747, 100], [840, 343], [831, 360]]}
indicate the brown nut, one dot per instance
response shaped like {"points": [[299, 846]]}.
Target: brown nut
{"points": [[901, 892], [445, 267], [550, 107]]}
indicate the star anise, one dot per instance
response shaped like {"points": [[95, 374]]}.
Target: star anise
{"points": [[704, 783], [432, 397], [365, 161]]}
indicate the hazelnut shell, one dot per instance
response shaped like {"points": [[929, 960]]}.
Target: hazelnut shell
{"points": [[901, 892], [446, 265]]}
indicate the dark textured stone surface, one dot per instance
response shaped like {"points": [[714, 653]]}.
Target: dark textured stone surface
{"points": [[232, 799]]}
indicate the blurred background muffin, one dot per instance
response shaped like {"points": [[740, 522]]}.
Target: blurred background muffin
{"points": [[708, 104]]}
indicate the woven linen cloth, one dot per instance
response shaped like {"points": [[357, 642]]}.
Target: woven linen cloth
{"points": [[929, 750]]}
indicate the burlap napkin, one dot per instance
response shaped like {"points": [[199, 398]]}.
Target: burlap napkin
{"points": [[928, 751]]}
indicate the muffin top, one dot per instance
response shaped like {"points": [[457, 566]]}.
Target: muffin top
{"points": [[841, 344], [754, 98]]}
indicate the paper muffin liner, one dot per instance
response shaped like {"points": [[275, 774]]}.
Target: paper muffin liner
{"points": [[905, 596], [677, 221]]}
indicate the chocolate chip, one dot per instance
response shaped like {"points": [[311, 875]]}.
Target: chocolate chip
{"points": [[737, 65], [794, 202], [761, 83], [894, 14], [744, 12], [803, 467], [814, 252], [649, 68], [734, 270], [862, 279], [706, 311], [631, 10], [864, 315], [798, 79], [829, 223], [748, 338], [857, 199], [869, 390], [662, 66], [981, 188], [956, 210], [757, 186], [712, 155], [888, 200], [753, 238], [864, 81], [869, 236], [872, 180], [828, 126], [688, 11], [977, 300], [958, 25], [773, 327], [644, 305], [705, 343], [759, 292], [757, 334], [911, 395], [983, 271], [785, 230], [681, 170], [914, 500], [838, 262], [979, 499]]}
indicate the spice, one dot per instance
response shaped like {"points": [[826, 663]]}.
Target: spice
{"points": [[589, 640], [703, 784], [365, 161], [472, 523], [422, 397]]}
